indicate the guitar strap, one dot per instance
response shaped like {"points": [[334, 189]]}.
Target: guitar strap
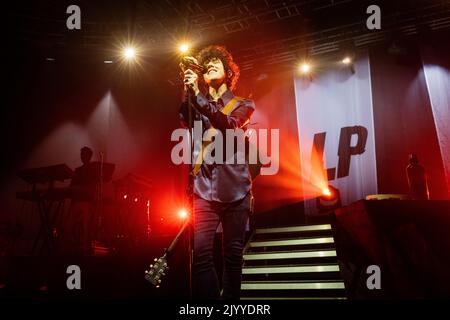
{"points": [[211, 133]]}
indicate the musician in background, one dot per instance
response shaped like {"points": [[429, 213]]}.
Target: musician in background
{"points": [[78, 225], [83, 175]]}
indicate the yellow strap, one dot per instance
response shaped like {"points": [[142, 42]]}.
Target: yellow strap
{"points": [[212, 132]]}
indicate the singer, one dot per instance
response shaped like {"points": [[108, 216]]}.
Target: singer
{"points": [[222, 192]]}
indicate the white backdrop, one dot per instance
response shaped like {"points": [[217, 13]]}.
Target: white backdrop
{"points": [[438, 82], [328, 102]]}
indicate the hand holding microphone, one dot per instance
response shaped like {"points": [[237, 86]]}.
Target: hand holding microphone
{"points": [[190, 77]]}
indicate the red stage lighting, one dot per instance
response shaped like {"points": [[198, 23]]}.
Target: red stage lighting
{"points": [[125, 196], [329, 200], [326, 192], [182, 213]]}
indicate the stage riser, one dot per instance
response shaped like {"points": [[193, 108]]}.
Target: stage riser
{"points": [[408, 240], [295, 262]]}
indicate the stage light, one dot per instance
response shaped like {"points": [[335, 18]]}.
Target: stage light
{"points": [[108, 61], [125, 196], [346, 60], [326, 192], [182, 213], [305, 68], [135, 199], [129, 53], [184, 48], [329, 200]]}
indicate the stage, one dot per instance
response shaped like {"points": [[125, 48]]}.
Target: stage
{"points": [[304, 145]]}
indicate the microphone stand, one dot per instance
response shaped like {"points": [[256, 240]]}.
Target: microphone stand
{"points": [[190, 191], [190, 194], [99, 217]]}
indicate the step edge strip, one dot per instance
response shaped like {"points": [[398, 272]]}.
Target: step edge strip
{"points": [[318, 227]]}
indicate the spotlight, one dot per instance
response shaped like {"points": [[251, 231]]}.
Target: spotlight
{"points": [[182, 213], [329, 200], [125, 196], [129, 53], [305, 68], [326, 192], [184, 47], [108, 61], [346, 60]]}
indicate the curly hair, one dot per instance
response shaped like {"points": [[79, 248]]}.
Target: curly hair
{"points": [[215, 51]]}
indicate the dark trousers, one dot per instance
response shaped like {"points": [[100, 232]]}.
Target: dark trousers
{"points": [[207, 216]]}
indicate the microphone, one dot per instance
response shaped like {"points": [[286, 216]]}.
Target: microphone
{"points": [[188, 63]]}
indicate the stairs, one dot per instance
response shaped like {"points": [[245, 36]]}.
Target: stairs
{"points": [[292, 263]]}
